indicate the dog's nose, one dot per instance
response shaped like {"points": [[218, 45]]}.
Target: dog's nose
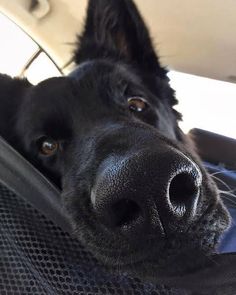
{"points": [[147, 191]]}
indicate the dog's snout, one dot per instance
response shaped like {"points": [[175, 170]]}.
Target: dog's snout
{"points": [[125, 212], [116, 202], [183, 193], [146, 191]]}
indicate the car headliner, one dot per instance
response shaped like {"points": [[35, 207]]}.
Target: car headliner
{"points": [[196, 37]]}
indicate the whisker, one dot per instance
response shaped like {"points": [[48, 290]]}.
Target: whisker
{"points": [[223, 172], [221, 181], [229, 193], [229, 199], [215, 173]]}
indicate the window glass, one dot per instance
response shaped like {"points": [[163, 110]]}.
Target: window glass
{"points": [[205, 103], [17, 49], [41, 68]]}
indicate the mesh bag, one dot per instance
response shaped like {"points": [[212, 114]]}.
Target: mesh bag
{"points": [[37, 257]]}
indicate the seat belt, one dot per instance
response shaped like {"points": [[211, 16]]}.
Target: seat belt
{"points": [[217, 273], [17, 174]]}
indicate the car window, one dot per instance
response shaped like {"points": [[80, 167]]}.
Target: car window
{"points": [[205, 103], [21, 56]]}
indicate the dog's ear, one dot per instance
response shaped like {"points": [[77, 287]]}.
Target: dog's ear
{"points": [[12, 91], [114, 28]]}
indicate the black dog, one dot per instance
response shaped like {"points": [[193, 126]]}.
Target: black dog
{"points": [[135, 190]]}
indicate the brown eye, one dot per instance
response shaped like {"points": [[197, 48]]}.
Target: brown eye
{"points": [[137, 104], [48, 146]]}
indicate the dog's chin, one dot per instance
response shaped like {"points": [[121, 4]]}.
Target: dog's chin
{"points": [[150, 267], [166, 257], [178, 253]]}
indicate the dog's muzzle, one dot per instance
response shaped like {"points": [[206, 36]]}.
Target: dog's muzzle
{"points": [[147, 192]]}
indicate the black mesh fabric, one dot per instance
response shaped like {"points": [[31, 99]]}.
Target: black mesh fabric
{"points": [[37, 257]]}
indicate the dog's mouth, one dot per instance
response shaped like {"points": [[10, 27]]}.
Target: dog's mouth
{"points": [[155, 253], [126, 215]]}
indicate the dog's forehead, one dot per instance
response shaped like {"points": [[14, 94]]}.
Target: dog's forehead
{"points": [[48, 102], [51, 88], [87, 80], [107, 72], [92, 88]]}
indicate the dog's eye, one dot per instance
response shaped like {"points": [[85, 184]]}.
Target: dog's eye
{"points": [[137, 104], [47, 146]]}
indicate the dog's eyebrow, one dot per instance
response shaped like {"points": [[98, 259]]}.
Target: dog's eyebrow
{"points": [[81, 70], [128, 73]]}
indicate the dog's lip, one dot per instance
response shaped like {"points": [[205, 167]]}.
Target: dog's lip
{"points": [[145, 258], [127, 256], [179, 265], [130, 257], [150, 257], [149, 268]]}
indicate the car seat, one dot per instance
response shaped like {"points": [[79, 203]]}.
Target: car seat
{"points": [[38, 253]]}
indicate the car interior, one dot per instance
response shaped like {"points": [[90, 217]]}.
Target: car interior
{"points": [[39, 254]]}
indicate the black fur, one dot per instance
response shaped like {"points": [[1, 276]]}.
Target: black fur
{"points": [[88, 115]]}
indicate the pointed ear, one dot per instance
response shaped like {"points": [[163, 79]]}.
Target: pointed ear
{"points": [[115, 28], [12, 91]]}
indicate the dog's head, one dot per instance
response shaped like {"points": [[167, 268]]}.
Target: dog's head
{"points": [[135, 190]]}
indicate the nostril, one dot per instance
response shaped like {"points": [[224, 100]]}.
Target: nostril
{"points": [[125, 212], [183, 193]]}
